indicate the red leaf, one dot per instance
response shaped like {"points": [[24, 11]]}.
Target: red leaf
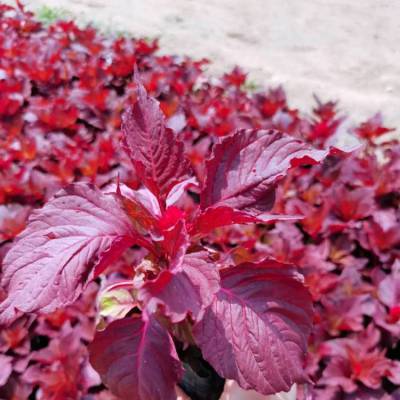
{"points": [[67, 242], [246, 165], [389, 294], [12, 220], [58, 367], [355, 360], [5, 368], [353, 204], [175, 238], [256, 329], [155, 152], [136, 359], [213, 218], [178, 190], [141, 206], [187, 287], [372, 128]]}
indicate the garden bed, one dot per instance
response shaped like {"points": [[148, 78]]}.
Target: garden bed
{"points": [[63, 90]]}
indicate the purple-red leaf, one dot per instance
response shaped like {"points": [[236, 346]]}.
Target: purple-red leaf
{"points": [[5, 368], [187, 287], [158, 156], [141, 206], [256, 329], [216, 217], [245, 166], [175, 239], [66, 243], [136, 359]]}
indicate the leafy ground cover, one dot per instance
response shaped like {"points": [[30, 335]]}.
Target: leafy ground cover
{"points": [[63, 90]]}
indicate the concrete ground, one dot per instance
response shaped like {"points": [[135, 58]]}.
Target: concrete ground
{"points": [[347, 50]]}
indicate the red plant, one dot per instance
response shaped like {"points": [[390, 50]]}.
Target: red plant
{"points": [[181, 290], [62, 93]]}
